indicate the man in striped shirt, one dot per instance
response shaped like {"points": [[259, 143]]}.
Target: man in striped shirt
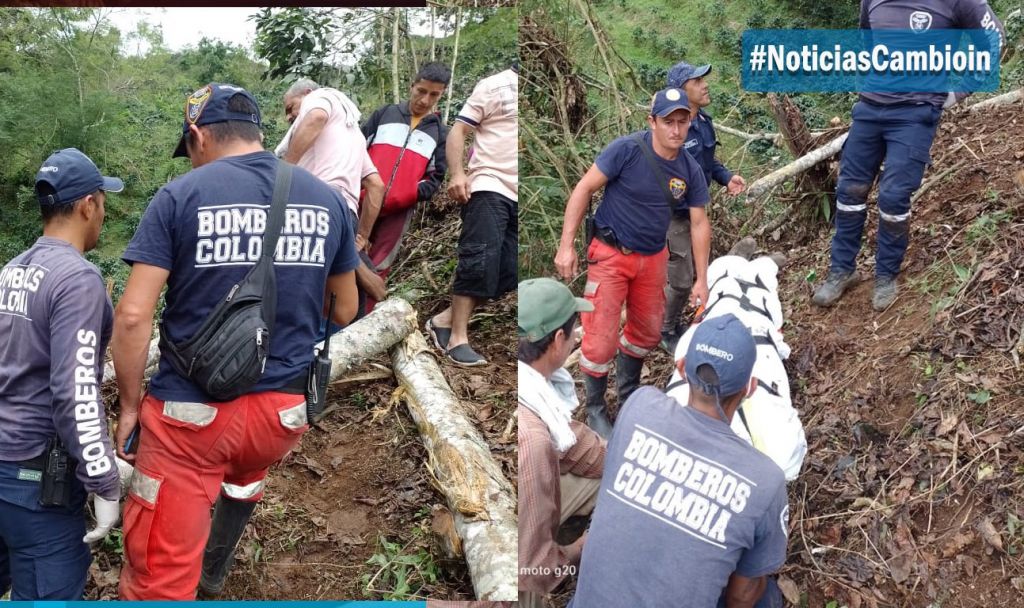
{"points": [[560, 459]]}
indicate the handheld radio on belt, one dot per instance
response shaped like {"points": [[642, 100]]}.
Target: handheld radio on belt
{"points": [[320, 373], [55, 490]]}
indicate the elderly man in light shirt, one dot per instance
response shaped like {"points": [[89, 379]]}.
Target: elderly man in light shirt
{"points": [[325, 139]]}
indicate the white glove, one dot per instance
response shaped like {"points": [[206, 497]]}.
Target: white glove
{"points": [[950, 101], [107, 514]]}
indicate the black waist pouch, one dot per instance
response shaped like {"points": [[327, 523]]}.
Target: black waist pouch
{"points": [[228, 354]]}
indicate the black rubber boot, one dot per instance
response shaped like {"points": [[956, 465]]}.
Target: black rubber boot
{"points": [[627, 375], [229, 520], [597, 409]]}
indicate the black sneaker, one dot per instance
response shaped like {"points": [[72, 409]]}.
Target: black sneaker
{"points": [[440, 335]]}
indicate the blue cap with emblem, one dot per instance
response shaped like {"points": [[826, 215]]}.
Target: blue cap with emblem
{"points": [[725, 344], [209, 105], [71, 175], [682, 71], [669, 100]]}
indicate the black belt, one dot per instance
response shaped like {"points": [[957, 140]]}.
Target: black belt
{"points": [[38, 463], [607, 237], [898, 104]]}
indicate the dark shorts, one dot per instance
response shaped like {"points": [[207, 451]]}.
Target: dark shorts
{"points": [[488, 247]]}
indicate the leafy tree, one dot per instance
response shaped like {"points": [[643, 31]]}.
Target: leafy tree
{"points": [[295, 41]]}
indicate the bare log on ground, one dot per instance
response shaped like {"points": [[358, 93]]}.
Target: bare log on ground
{"points": [[777, 177], [998, 100], [775, 138], [482, 501], [390, 322]]}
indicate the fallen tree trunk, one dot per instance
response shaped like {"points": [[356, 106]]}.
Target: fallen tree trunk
{"points": [[775, 138], [998, 100], [777, 177], [481, 500], [390, 322]]}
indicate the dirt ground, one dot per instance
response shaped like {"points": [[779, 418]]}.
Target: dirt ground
{"points": [[911, 493], [350, 513]]}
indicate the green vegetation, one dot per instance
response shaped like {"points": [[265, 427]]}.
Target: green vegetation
{"points": [[67, 81], [637, 42], [403, 570]]}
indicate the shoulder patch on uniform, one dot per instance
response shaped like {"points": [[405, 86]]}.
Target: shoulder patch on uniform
{"points": [[678, 187]]}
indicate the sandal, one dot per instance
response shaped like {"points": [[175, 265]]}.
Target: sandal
{"points": [[465, 356], [440, 335]]}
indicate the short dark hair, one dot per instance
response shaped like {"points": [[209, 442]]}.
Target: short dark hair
{"points": [[52, 212], [235, 129], [708, 375], [434, 71], [531, 351]]}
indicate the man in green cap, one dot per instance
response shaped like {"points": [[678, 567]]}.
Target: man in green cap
{"points": [[560, 459]]}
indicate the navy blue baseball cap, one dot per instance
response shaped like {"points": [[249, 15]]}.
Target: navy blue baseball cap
{"points": [[209, 105], [669, 100], [682, 71], [725, 344], [72, 175]]}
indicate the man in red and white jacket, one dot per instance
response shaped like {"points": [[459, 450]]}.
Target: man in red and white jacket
{"points": [[406, 143]]}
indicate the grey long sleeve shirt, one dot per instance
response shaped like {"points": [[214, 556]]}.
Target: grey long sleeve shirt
{"points": [[55, 324]]}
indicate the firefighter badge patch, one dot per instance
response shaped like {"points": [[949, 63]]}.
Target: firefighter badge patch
{"points": [[196, 102], [677, 187]]}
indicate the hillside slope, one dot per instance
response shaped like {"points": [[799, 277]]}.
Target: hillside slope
{"points": [[911, 493]]}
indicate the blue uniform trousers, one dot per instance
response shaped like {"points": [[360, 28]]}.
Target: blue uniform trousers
{"points": [[901, 135], [42, 556]]}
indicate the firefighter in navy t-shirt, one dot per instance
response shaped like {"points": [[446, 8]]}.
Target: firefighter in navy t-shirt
{"points": [[201, 234], [701, 143], [627, 257], [686, 508], [55, 319]]}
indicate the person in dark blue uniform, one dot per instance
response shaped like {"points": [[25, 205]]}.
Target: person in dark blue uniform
{"points": [[896, 128], [55, 319], [701, 143]]}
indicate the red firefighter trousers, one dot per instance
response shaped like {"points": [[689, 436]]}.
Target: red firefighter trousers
{"points": [[615, 278], [189, 453]]}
